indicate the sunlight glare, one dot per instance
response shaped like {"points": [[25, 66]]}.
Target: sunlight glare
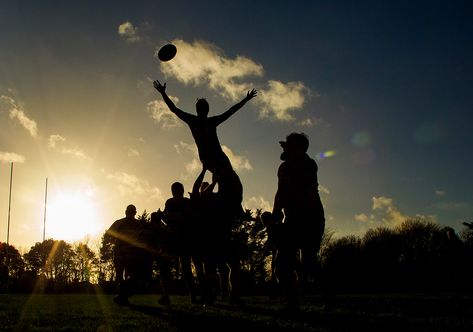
{"points": [[72, 216]]}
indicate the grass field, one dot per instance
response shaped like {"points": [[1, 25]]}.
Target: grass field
{"points": [[22, 312]]}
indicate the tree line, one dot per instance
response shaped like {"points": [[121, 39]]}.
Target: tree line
{"points": [[419, 255]]}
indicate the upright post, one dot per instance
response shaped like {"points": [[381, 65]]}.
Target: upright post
{"points": [[45, 206], [9, 205]]}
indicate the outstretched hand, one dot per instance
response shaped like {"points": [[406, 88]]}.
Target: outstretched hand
{"points": [[251, 94], [158, 86]]}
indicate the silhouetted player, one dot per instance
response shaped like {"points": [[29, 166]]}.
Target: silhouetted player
{"points": [[130, 250], [297, 200], [204, 128], [178, 217]]}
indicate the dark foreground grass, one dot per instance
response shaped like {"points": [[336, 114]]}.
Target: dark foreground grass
{"points": [[20, 312]]}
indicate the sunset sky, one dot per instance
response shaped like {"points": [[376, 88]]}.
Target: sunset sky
{"points": [[384, 90]]}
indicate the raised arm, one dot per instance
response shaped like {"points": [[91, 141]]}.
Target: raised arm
{"points": [[232, 110], [198, 183], [172, 107]]}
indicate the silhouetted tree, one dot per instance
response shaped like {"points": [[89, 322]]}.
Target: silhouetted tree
{"points": [[251, 237], [85, 263], [380, 250], [106, 270], [11, 266], [467, 233], [341, 261], [466, 236], [54, 259], [420, 252]]}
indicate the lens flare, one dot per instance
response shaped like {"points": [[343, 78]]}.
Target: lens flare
{"points": [[326, 154]]}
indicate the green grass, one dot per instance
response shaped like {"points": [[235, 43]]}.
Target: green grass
{"points": [[22, 312]]}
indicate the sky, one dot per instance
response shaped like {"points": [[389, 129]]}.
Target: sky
{"points": [[384, 91]]}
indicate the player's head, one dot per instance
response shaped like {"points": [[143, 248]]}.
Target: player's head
{"points": [[202, 107], [130, 211], [266, 218], [177, 189], [295, 144]]}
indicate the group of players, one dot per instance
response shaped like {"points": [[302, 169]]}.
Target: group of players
{"points": [[198, 229]]}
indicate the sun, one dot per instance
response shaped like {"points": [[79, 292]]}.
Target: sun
{"points": [[72, 216]]}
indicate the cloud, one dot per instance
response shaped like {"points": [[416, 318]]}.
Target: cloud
{"points": [[57, 142], [324, 194], [189, 150], [280, 100], [129, 32], [306, 122], [130, 184], [259, 202], [323, 190], [161, 114], [53, 140], [202, 63], [16, 112], [183, 148], [11, 157], [311, 121], [390, 215], [238, 162], [440, 192], [7, 103], [381, 202], [133, 153], [194, 166], [383, 212], [362, 218]]}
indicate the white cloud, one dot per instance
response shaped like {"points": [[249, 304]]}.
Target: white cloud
{"points": [[384, 212], [133, 153], [183, 147], [362, 218], [254, 203], [238, 162], [280, 100], [161, 114], [310, 122], [324, 194], [57, 142], [202, 63], [189, 151], [53, 140], [29, 124], [130, 184], [323, 190], [306, 123], [381, 202], [129, 32], [16, 112], [194, 166], [390, 214], [11, 157], [7, 103]]}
